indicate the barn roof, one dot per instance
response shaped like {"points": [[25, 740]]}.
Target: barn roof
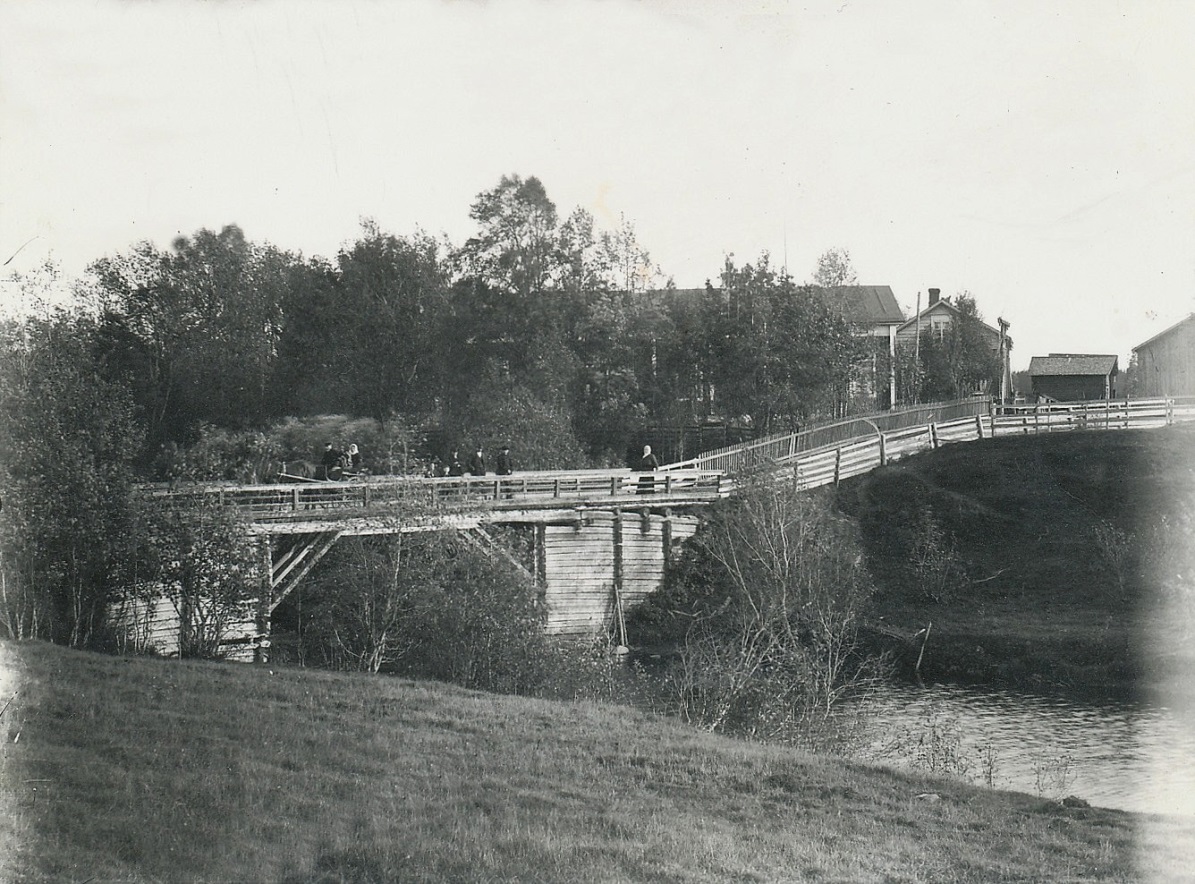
{"points": [[1072, 364], [1163, 334], [869, 304]]}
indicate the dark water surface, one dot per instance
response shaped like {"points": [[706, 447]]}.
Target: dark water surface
{"points": [[1130, 757]]}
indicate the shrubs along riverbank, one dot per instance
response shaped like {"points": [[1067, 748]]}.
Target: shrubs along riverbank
{"points": [[153, 770], [1058, 564]]}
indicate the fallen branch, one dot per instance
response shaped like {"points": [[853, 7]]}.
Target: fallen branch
{"points": [[917, 668]]}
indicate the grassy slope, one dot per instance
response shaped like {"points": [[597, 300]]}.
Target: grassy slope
{"points": [[1045, 611], [149, 770]]}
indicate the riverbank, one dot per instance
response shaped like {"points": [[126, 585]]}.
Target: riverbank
{"points": [[152, 770], [1055, 563]]}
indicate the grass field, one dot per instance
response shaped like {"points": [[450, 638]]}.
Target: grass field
{"points": [[1043, 607], [149, 770]]}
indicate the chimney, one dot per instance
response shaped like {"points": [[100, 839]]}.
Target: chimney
{"points": [[933, 296]]}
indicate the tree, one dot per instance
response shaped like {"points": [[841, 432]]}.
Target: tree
{"points": [[614, 321], [199, 556], [509, 312], [780, 353], [516, 249], [393, 292], [834, 268], [956, 361], [364, 603], [194, 331], [66, 446]]}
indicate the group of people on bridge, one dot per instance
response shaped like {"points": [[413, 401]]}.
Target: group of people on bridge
{"points": [[336, 463], [476, 465]]}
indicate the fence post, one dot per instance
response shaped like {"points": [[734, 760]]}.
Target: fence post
{"points": [[933, 435], [838, 464], [295, 498], [979, 425], [883, 451], [261, 652], [365, 495]]}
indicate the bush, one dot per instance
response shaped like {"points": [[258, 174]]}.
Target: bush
{"points": [[218, 454], [774, 589], [934, 566], [425, 605]]}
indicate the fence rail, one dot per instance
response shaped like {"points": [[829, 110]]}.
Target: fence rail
{"points": [[291, 501], [819, 456], [832, 463], [736, 458]]}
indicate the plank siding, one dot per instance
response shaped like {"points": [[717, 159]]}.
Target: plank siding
{"points": [[149, 624], [579, 567]]}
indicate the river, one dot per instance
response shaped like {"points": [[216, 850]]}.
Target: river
{"points": [[1130, 757]]}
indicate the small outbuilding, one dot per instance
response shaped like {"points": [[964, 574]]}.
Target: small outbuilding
{"points": [[1071, 377]]}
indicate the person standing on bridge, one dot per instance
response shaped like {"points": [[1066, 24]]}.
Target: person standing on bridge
{"points": [[454, 465], [502, 463], [647, 464], [477, 463]]}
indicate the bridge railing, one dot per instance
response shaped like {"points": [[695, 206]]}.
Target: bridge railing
{"points": [[289, 501], [835, 462], [740, 458]]}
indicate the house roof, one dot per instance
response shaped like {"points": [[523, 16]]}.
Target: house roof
{"points": [[1071, 364], [864, 304], [1163, 334], [945, 305], [938, 306]]}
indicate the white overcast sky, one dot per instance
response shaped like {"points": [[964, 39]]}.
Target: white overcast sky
{"points": [[1039, 154]]}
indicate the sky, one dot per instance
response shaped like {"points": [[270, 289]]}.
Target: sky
{"points": [[1035, 154]]}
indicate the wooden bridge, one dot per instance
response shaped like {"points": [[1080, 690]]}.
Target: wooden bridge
{"points": [[603, 538]]}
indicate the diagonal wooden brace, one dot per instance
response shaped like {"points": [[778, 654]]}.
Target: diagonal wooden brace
{"points": [[296, 563]]}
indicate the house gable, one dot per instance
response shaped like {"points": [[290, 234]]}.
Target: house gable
{"points": [[939, 316]]}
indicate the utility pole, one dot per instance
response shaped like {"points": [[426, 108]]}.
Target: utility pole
{"points": [[1005, 374], [917, 355]]}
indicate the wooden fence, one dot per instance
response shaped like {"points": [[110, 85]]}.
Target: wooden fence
{"points": [[832, 463]]}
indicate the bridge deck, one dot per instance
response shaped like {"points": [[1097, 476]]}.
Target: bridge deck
{"points": [[535, 496], [530, 496]]}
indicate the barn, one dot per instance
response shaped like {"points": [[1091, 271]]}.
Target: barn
{"points": [[1166, 362], [1072, 377]]}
